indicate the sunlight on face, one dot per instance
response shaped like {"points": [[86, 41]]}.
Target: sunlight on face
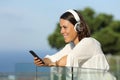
{"points": [[68, 32]]}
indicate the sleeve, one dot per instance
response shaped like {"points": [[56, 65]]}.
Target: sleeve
{"points": [[82, 51], [97, 62], [55, 57]]}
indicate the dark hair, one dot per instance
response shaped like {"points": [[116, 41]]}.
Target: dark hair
{"points": [[83, 25]]}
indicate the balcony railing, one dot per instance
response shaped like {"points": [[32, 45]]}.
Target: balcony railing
{"points": [[28, 71]]}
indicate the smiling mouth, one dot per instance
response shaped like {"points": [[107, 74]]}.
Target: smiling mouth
{"points": [[65, 36]]}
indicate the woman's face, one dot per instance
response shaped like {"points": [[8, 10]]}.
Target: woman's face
{"points": [[68, 32]]}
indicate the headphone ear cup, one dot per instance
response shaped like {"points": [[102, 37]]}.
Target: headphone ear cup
{"points": [[77, 27]]}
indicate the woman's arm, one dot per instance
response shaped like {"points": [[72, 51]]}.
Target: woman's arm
{"points": [[56, 59], [47, 62], [62, 61]]}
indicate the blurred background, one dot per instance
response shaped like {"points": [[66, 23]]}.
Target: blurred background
{"points": [[31, 25]]}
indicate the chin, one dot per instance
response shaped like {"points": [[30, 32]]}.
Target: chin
{"points": [[66, 41]]}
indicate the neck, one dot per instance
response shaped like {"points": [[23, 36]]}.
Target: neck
{"points": [[76, 41]]}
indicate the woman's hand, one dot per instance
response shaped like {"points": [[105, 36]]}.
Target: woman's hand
{"points": [[38, 62], [47, 62], [62, 61]]}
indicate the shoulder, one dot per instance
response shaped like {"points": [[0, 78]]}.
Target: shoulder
{"points": [[69, 45], [89, 41]]}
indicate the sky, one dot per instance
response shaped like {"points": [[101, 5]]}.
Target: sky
{"points": [[26, 24]]}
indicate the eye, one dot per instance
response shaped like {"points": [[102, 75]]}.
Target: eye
{"points": [[64, 27]]}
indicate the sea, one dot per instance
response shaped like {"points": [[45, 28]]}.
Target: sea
{"points": [[12, 60]]}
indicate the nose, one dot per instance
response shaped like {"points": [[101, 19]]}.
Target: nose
{"points": [[62, 30]]}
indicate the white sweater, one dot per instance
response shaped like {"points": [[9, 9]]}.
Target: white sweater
{"points": [[86, 54]]}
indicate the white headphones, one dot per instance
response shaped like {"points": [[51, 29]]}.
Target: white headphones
{"points": [[77, 25]]}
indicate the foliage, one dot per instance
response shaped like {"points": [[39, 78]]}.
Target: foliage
{"points": [[103, 27], [110, 37], [55, 39]]}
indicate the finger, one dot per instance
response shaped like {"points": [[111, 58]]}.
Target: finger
{"points": [[38, 62], [35, 58]]}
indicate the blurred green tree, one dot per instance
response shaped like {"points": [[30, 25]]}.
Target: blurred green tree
{"points": [[103, 27], [55, 39]]}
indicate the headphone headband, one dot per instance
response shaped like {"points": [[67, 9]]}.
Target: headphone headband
{"points": [[74, 14]]}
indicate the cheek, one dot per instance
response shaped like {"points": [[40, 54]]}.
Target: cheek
{"points": [[74, 33], [71, 30]]}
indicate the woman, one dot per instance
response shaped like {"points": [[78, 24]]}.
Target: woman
{"points": [[81, 50]]}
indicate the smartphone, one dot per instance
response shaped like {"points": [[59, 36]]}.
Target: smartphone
{"points": [[35, 55]]}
